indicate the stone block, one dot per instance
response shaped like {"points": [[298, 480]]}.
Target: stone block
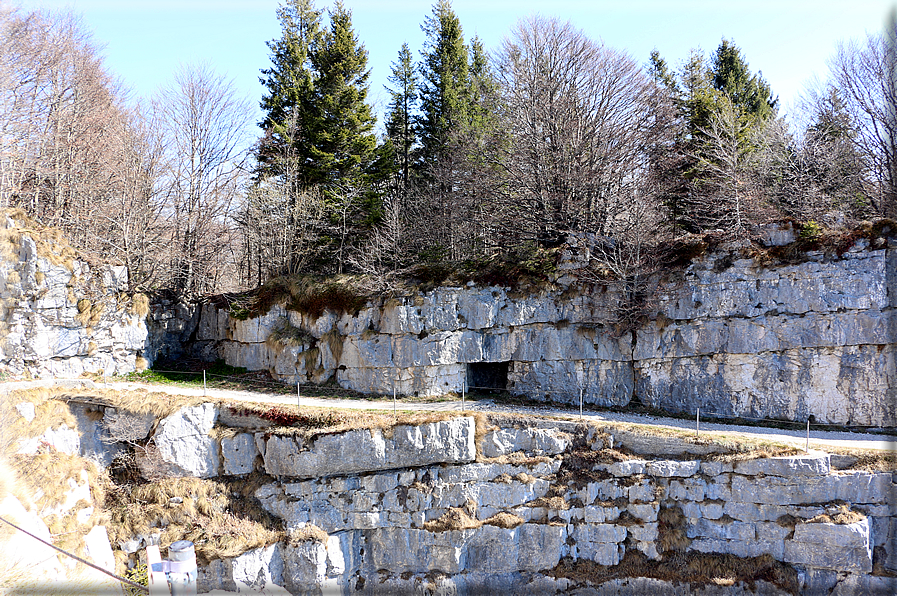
{"points": [[258, 570], [831, 546], [671, 468], [599, 533], [641, 492], [812, 465], [644, 533], [238, 454], [304, 567], [644, 511], [532, 441], [367, 450], [689, 489], [868, 585], [417, 551], [183, 441], [629, 467]]}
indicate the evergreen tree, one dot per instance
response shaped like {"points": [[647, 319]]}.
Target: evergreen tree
{"points": [[289, 83], [750, 94], [444, 89], [482, 92], [400, 128], [340, 138], [724, 109]]}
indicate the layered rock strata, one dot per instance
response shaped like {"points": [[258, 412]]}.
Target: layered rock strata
{"points": [[61, 317], [730, 336], [525, 505]]}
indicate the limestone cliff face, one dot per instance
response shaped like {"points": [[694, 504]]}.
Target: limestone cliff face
{"points": [[732, 337], [60, 317], [395, 510]]}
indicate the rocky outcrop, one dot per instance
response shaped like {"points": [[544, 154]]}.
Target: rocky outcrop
{"points": [[448, 441], [733, 337], [61, 317], [511, 503]]}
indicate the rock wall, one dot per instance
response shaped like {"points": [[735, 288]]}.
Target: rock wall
{"points": [[532, 508], [60, 317], [464, 505], [730, 336]]}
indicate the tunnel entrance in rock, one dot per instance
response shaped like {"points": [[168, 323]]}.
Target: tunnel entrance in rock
{"points": [[488, 375]]}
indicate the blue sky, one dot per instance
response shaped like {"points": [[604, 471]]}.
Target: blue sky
{"points": [[788, 40]]}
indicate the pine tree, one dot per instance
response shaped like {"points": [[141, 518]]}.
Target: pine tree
{"points": [[444, 90], [341, 142], [400, 128], [724, 109], [750, 94], [289, 83]]}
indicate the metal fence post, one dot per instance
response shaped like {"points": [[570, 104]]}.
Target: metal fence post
{"points": [[203, 382], [580, 402], [698, 423]]}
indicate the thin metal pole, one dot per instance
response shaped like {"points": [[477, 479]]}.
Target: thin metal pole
{"points": [[298, 396], [807, 449], [580, 402], [394, 414], [698, 423], [463, 391], [203, 382]]}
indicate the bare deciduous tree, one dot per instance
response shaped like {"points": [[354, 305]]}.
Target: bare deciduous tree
{"points": [[203, 123], [71, 154], [863, 75], [582, 119]]}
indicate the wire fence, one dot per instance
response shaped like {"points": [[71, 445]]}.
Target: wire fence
{"points": [[310, 389], [118, 578]]}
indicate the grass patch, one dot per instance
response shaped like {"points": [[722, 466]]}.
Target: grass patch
{"points": [[837, 514], [214, 515], [697, 569], [285, 334], [505, 520], [307, 533], [456, 518], [305, 294], [140, 305]]}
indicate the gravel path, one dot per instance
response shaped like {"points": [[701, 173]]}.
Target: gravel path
{"points": [[798, 437]]}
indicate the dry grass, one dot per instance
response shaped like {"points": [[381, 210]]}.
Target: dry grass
{"points": [[671, 536], [48, 475], [838, 514], [558, 503], [693, 568], [215, 516], [503, 519], [307, 533], [746, 448], [285, 334], [455, 518], [140, 305], [867, 461], [44, 484], [48, 412], [137, 401]]}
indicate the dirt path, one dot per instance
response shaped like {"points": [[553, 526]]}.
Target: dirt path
{"points": [[818, 438]]}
